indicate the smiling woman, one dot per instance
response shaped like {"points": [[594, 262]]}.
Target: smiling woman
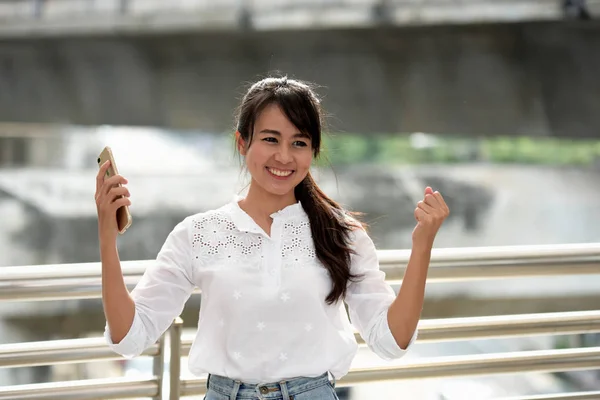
{"points": [[279, 134], [274, 268]]}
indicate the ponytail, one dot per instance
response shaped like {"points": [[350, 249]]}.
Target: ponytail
{"points": [[330, 227]]}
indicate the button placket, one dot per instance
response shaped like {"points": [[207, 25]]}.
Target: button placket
{"points": [[275, 243]]}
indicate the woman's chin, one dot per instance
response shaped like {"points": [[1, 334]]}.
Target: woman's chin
{"points": [[279, 188], [281, 191]]}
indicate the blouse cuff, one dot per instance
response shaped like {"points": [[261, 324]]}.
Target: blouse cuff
{"points": [[387, 345], [130, 345]]}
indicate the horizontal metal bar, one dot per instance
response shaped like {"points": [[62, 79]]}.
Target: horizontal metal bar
{"points": [[52, 352], [67, 271], [83, 281], [483, 364], [558, 323], [72, 289], [514, 269], [476, 263], [449, 329], [499, 255], [435, 330], [92, 389], [496, 254], [560, 396], [471, 365], [66, 289]]}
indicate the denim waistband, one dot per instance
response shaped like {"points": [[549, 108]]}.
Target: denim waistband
{"points": [[236, 389]]}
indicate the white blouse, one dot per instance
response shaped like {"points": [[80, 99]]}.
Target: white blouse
{"points": [[263, 315]]}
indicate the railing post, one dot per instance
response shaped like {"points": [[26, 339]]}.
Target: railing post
{"points": [[175, 362], [158, 367], [124, 6], [38, 6], [382, 12], [244, 15]]}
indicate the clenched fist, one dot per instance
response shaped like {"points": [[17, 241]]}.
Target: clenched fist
{"points": [[430, 214]]}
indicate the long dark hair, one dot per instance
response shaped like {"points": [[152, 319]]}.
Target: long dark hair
{"points": [[330, 224]]}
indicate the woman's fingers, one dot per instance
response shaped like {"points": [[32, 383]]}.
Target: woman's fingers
{"points": [[440, 199], [116, 192], [120, 202], [113, 181], [425, 207], [101, 175]]}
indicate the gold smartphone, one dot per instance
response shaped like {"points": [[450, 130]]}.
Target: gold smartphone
{"points": [[123, 215]]}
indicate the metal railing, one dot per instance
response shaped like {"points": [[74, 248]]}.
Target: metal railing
{"points": [[83, 281], [80, 281], [74, 351]]}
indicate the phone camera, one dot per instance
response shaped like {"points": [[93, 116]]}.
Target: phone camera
{"points": [[98, 160]]}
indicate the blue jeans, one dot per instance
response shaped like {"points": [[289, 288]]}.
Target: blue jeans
{"points": [[319, 388]]}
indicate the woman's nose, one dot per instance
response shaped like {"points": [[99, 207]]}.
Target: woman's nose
{"points": [[283, 155]]}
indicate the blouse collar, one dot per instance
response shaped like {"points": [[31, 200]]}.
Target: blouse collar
{"points": [[244, 222]]}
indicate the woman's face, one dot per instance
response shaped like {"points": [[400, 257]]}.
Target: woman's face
{"points": [[279, 156]]}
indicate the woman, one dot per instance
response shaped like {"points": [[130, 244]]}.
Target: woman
{"points": [[275, 268]]}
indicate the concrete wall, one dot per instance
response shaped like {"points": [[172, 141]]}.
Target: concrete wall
{"points": [[533, 79]]}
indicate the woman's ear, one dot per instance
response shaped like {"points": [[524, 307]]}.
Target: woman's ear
{"points": [[241, 144]]}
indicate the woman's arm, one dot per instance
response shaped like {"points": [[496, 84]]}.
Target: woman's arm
{"points": [[119, 307], [369, 299], [387, 322], [158, 298], [405, 312], [135, 321]]}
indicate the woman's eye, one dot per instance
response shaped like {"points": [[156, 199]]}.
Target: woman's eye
{"points": [[270, 140], [300, 144]]}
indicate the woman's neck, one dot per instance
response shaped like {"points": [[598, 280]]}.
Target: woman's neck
{"points": [[260, 204]]}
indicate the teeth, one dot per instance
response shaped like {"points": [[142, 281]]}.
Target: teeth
{"points": [[279, 172]]}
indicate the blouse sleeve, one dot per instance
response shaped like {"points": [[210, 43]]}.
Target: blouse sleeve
{"points": [[160, 295], [369, 299]]}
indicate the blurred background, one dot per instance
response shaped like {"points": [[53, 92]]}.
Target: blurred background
{"points": [[496, 103]]}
